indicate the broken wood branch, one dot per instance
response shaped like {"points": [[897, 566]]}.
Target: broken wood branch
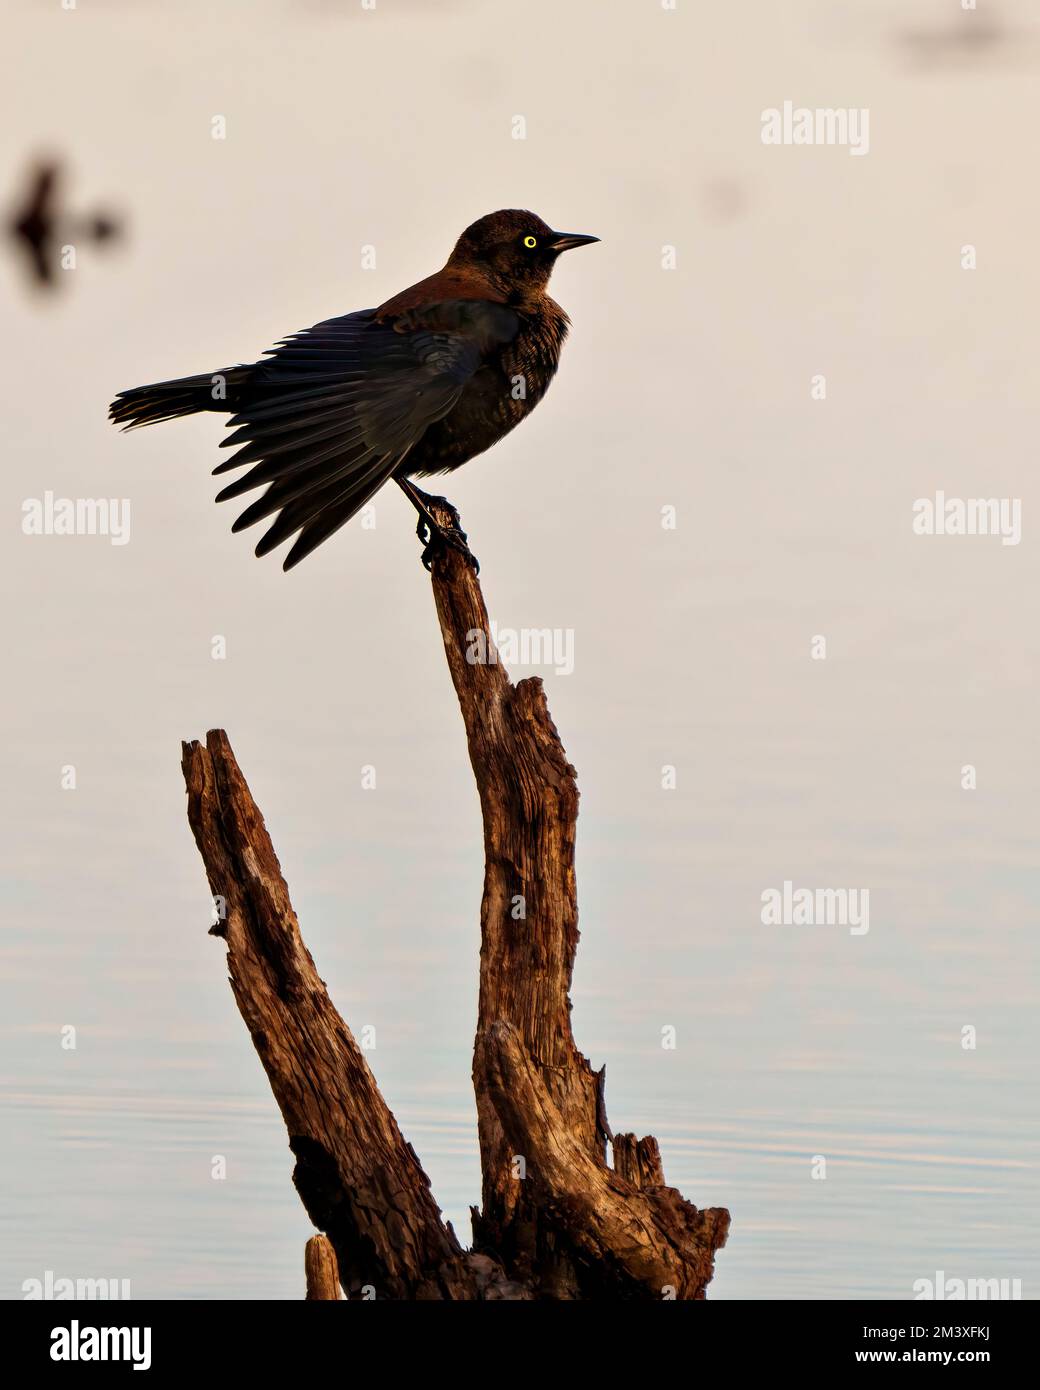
{"points": [[321, 1270], [555, 1221]]}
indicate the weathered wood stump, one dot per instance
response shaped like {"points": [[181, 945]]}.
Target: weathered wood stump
{"points": [[321, 1271], [555, 1221]]}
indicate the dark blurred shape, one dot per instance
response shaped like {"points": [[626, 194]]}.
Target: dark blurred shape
{"points": [[975, 36], [41, 225], [33, 224], [723, 199]]}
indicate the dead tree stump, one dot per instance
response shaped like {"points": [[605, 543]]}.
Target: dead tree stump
{"points": [[319, 1264], [555, 1222]]}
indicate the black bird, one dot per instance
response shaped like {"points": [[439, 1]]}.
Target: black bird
{"points": [[41, 223], [432, 377]]}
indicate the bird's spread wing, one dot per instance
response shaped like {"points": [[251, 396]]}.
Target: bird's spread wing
{"points": [[332, 412]]}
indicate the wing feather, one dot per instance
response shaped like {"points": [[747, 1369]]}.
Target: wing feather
{"points": [[331, 413]]}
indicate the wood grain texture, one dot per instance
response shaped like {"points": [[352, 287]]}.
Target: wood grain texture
{"points": [[359, 1180], [570, 1227], [321, 1271], [555, 1222]]}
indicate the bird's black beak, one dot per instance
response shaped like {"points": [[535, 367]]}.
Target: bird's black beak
{"points": [[565, 241]]}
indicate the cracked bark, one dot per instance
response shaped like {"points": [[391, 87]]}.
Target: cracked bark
{"points": [[555, 1222]]}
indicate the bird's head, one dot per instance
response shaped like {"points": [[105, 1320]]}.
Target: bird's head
{"points": [[515, 250]]}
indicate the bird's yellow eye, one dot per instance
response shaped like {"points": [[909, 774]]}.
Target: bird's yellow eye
{"points": [[530, 242]]}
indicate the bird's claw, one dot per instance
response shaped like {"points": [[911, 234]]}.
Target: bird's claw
{"points": [[443, 505], [442, 539]]}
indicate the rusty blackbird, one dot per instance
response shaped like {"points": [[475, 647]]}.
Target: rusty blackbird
{"points": [[432, 377]]}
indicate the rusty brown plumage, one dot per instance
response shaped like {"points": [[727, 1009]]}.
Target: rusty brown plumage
{"points": [[434, 376]]}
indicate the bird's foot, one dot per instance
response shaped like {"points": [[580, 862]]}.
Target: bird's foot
{"points": [[442, 504], [436, 540]]}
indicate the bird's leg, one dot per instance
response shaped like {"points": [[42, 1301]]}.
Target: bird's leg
{"points": [[422, 501], [435, 537]]}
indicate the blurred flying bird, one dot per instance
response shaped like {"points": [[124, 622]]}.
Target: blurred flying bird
{"points": [[434, 376], [41, 226]]}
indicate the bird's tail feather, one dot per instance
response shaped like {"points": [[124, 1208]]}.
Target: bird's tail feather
{"points": [[167, 400]]}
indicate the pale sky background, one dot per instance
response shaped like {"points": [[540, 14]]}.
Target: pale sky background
{"points": [[688, 387]]}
